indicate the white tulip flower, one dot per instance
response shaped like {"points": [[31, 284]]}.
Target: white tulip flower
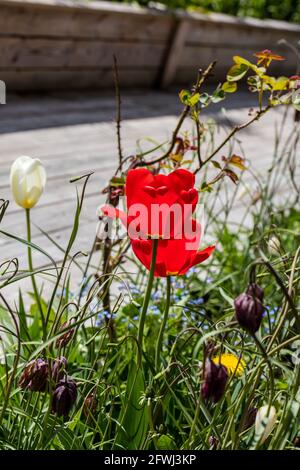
{"points": [[265, 422], [27, 181]]}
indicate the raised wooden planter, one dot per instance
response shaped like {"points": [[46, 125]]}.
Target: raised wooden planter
{"points": [[49, 44]]}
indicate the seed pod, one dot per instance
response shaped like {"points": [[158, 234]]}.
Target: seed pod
{"points": [[35, 376], [58, 369], [249, 311], [65, 338], [90, 405], [274, 246], [215, 379], [64, 397]]}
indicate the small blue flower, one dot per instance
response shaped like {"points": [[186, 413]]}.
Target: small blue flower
{"points": [[154, 310], [134, 289], [196, 302]]}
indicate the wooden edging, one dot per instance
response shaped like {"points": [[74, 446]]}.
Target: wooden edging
{"points": [[61, 43]]}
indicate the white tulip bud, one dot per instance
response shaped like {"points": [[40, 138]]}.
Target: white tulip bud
{"points": [[274, 245], [265, 422], [27, 181]]}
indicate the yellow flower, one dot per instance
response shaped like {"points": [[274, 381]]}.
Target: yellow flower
{"points": [[233, 364]]}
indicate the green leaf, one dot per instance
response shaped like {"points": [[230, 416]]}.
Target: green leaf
{"points": [[204, 99], [229, 87], [165, 442], [241, 61], [206, 187], [194, 99], [216, 164], [218, 95], [134, 422], [296, 101], [184, 96], [226, 297], [117, 181], [188, 98], [24, 335], [237, 72]]}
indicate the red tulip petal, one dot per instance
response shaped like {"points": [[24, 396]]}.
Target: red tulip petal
{"points": [[203, 255], [162, 190], [135, 181], [182, 179], [160, 270], [190, 196], [150, 190]]}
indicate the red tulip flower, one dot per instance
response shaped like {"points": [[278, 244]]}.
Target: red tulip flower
{"points": [[178, 234]]}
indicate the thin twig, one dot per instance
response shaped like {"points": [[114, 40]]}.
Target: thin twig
{"points": [[118, 111], [232, 133], [201, 79]]}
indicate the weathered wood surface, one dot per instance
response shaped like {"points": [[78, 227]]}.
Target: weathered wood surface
{"points": [[49, 44], [73, 134]]}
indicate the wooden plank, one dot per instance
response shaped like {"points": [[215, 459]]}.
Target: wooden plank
{"points": [[243, 35], [78, 21], [56, 52], [177, 44]]}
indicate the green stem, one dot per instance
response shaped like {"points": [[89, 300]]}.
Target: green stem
{"points": [[30, 265], [191, 440], [268, 362], [163, 325], [147, 296]]}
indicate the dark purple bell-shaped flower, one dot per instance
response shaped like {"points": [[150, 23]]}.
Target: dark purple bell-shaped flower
{"points": [[90, 406], [215, 379], [35, 376], [249, 311], [58, 369], [64, 397], [250, 418], [66, 337], [256, 291]]}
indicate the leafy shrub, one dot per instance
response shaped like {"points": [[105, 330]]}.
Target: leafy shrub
{"points": [[287, 10]]}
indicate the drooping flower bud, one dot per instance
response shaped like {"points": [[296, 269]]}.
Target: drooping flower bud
{"points": [[64, 397], [215, 379], [66, 337], [249, 311], [213, 442], [274, 246], [35, 376], [90, 405], [58, 369], [249, 418], [256, 291], [265, 422]]}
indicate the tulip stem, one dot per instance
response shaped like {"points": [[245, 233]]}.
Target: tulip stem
{"points": [[147, 297], [163, 325], [30, 265]]}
